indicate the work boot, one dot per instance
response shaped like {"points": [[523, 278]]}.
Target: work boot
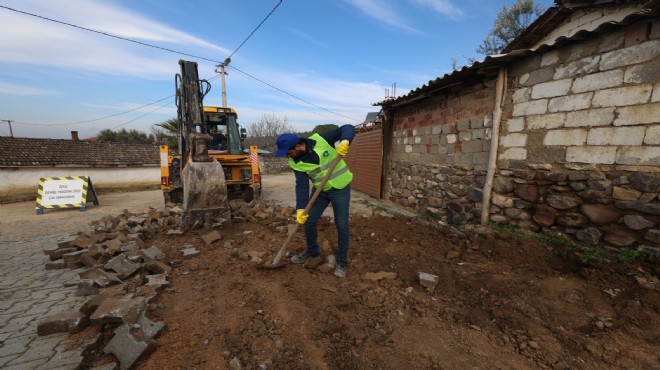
{"points": [[341, 269], [302, 258]]}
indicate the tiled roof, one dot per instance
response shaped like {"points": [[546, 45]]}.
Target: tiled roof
{"points": [[28, 152]]}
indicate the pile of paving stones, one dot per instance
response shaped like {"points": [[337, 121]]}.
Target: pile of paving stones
{"points": [[122, 275]]}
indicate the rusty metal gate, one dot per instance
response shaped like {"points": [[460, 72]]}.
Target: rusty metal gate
{"points": [[365, 159]]}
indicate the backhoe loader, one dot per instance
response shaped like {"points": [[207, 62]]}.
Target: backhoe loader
{"points": [[207, 170]]}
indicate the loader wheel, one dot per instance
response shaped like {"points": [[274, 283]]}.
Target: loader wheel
{"points": [[248, 193], [176, 196]]}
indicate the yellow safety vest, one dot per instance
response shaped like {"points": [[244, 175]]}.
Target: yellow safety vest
{"points": [[340, 177]]}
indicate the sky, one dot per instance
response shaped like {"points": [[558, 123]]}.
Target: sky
{"points": [[90, 65]]}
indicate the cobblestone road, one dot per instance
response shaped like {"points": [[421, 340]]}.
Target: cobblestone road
{"points": [[30, 293]]}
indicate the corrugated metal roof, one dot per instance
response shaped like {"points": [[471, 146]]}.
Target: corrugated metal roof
{"points": [[492, 62], [30, 152]]}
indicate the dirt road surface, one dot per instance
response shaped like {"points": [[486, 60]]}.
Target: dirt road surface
{"points": [[501, 301]]}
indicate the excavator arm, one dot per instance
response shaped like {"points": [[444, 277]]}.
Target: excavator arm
{"points": [[204, 183]]}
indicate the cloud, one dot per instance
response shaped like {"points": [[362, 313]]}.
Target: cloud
{"points": [[444, 7], [309, 38], [11, 89], [73, 48], [382, 11], [386, 11]]}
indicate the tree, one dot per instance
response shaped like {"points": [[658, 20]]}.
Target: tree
{"points": [[324, 128], [125, 136], [510, 22], [167, 132], [264, 132]]}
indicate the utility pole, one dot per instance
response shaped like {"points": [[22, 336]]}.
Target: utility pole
{"points": [[11, 132], [222, 78]]}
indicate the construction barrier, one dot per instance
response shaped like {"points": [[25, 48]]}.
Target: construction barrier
{"points": [[65, 192]]}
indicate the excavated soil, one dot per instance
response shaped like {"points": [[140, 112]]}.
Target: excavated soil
{"points": [[501, 303]]}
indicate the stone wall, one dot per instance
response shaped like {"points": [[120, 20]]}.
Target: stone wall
{"points": [[580, 145], [439, 152]]}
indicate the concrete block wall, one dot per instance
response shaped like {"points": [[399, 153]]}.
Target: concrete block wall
{"points": [[439, 152], [581, 129]]}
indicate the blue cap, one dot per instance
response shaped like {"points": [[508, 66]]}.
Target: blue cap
{"points": [[284, 143]]}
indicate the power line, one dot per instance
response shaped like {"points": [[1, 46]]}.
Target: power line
{"points": [[95, 119], [291, 95], [255, 30], [146, 114], [107, 34]]}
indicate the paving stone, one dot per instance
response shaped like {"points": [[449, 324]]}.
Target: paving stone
{"points": [[66, 321], [16, 346], [16, 324], [428, 281], [211, 237], [128, 346], [189, 252], [56, 254], [153, 253], [18, 307], [63, 360], [24, 365], [34, 353], [117, 311], [92, 304], [149, 328], [159, 280], [122, 266], [102, 278], [86, 287], [6, 359]]}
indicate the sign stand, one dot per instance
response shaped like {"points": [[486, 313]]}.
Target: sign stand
{"points": [[65, 192]]}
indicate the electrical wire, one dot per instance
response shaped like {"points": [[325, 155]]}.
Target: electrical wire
{"points": [[255, 30], [95, 119], [146, 114], [108, 34], [291, 95]]}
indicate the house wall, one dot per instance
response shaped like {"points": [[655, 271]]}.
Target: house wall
{"points": [[439, 152], [580, 145], [21, 183]]}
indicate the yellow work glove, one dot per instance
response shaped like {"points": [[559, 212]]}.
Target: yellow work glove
{"points": [[342, 148], [301, 217]]}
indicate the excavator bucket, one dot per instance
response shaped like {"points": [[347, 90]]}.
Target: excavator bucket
{"points": [[205, 195]]}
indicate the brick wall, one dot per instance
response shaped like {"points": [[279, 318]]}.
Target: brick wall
{"points": [[580, 143], [439, 152]]}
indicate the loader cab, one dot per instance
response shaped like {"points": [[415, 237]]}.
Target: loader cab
{"points": [[225, 119]]}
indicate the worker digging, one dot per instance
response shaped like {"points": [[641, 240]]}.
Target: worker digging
{"points": [[313, 159]]}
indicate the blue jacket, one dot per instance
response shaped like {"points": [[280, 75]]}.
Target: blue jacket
{"points": [[345, 132]]}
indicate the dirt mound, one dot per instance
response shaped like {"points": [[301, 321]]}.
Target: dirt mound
{"points": [[500, 302]]}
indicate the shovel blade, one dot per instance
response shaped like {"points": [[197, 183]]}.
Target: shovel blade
{"points": [[271, 265]]}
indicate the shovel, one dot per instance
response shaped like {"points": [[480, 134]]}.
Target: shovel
{"points": [[276, 262]]}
